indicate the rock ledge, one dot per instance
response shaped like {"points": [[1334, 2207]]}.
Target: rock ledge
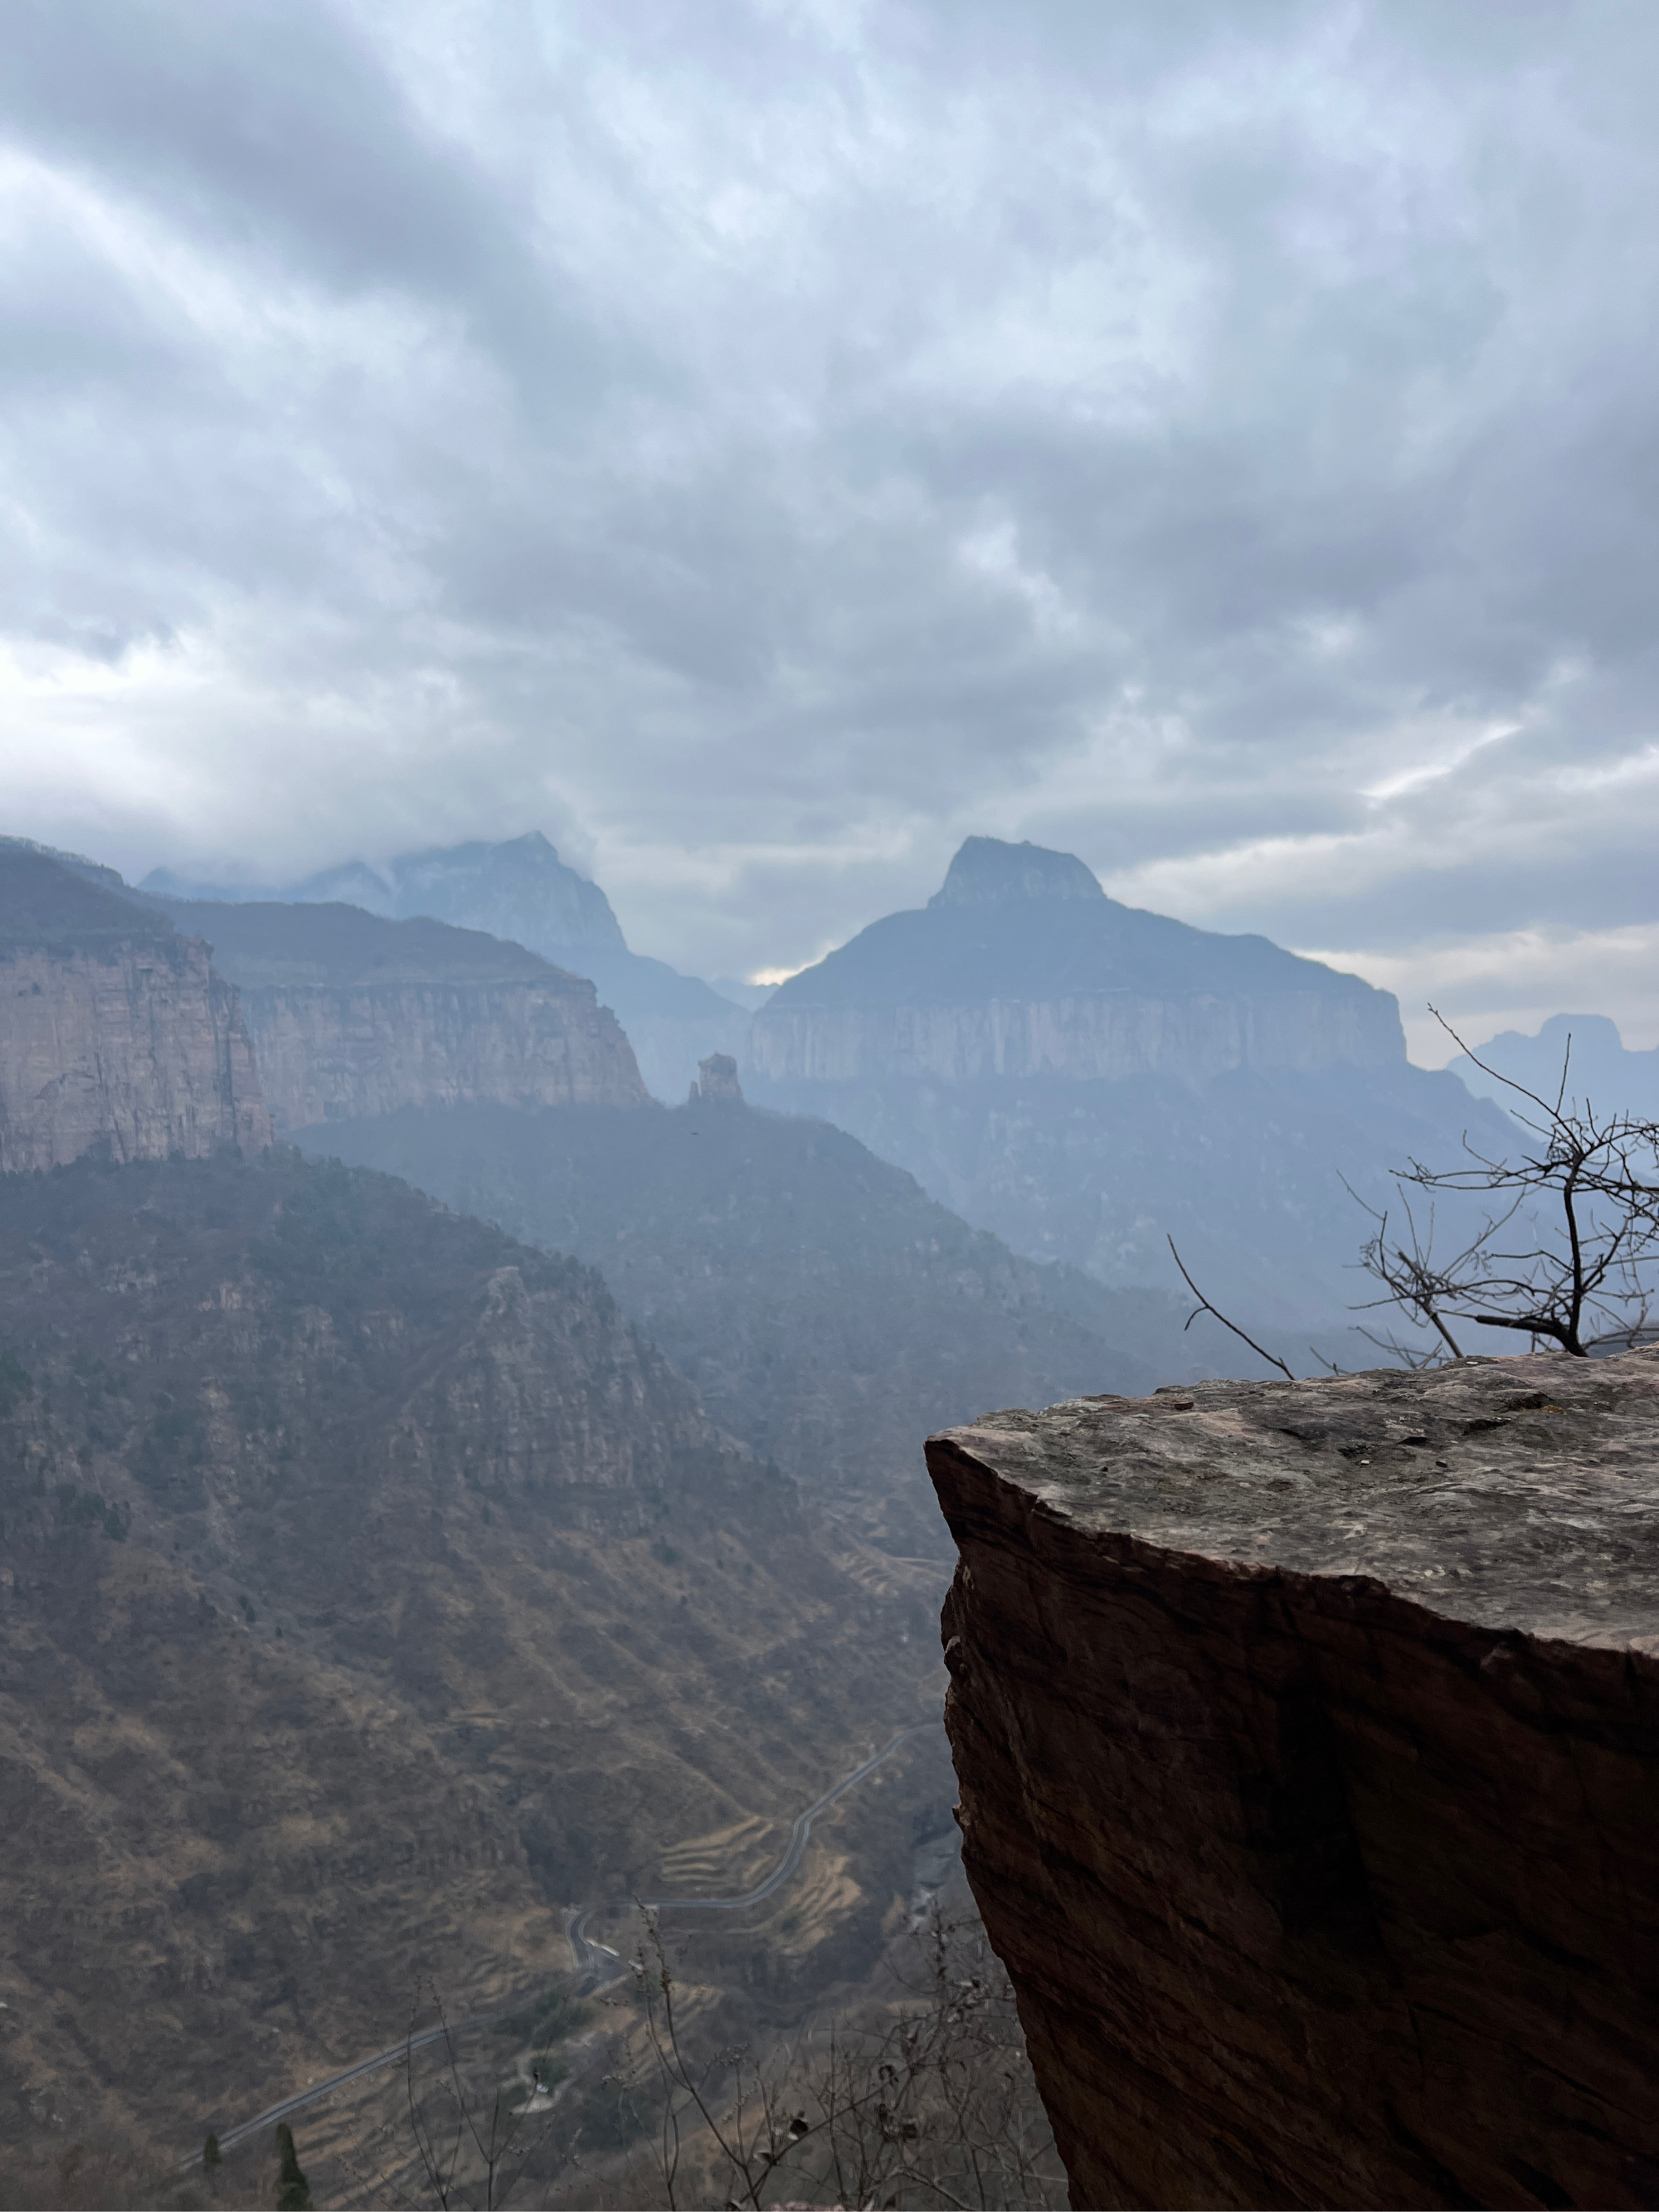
{"points": [[1307, 1736]]}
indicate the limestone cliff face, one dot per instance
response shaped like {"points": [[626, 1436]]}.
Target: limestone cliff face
{"points": [[329, 1053], [1307, 1736], [523, 892], [114, 1030], [1099, 1035], [1021, 966], [352, 1014]]}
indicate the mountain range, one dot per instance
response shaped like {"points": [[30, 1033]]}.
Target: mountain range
{"points": [[371, 1588], [521, 890], [1086, 1081], [1581, 1054], [827, 1310]]}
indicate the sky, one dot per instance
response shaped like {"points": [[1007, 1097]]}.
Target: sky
{"points": [[760, 444]]}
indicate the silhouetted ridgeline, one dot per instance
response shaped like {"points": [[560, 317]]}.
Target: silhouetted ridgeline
{"points": [[523, 891]]}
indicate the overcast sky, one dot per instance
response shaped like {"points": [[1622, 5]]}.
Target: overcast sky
{"points": [[760, 444]]}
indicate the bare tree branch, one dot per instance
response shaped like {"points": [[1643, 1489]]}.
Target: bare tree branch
{"points": [[1204, 1306]]}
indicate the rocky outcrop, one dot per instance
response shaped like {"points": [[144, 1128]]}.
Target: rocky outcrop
{"points": [[114, 1030], [1307, 1738], [351, 1014], [717, 1077]]}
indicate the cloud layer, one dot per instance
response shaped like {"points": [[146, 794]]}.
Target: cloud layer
{"points": [[760, 445]]}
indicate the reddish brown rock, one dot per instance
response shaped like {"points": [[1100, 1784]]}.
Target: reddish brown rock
{"points": [[1308, 1739]]}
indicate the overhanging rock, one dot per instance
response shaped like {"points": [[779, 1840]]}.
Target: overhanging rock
{"points": [[1308, 1740]]}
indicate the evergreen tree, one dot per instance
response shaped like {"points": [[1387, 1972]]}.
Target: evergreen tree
{"points": [[292, 2190], [210, 2154]]}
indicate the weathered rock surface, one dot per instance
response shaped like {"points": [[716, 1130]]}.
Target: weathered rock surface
{"points": [[1308, 1739], [114, 1029], [353, 1014]]}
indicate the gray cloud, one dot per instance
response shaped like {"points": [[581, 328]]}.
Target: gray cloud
{"points": [[760, 445]]}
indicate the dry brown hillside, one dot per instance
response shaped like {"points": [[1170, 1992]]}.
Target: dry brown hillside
{"points": [[371, 1590]]}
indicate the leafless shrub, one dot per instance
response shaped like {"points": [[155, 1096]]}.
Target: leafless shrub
{"points": [[464, 2136], [928, 2101], [1571, 1256]]}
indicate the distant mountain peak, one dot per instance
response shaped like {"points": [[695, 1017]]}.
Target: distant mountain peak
{"points": [[987, 869]]}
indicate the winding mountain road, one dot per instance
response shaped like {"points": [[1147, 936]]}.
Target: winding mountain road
{"points": [[586, 1953]]}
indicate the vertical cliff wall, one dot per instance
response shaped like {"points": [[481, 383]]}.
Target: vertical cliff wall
{"points": [[114, 1029], [522, 891], [1020, 966], [1308, 1740], [352, 1014]]}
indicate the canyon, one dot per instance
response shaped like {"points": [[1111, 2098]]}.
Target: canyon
{"points": [[371, 1589], [827, 1309], [1306, 1736]]}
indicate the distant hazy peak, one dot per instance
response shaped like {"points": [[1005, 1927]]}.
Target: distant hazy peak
{"points": [[1602, 1069], [987, 868], [521, 889]]}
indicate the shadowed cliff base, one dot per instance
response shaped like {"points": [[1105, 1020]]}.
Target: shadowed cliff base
{"points": [[1307, 1738]]}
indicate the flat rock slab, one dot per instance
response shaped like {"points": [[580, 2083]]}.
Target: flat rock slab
{"points": [[1308, 1738]]}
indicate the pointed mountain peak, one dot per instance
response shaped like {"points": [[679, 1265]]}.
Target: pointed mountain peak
{"points": [[987, 869]]}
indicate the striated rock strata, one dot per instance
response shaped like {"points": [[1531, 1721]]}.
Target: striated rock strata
{"points": [[523, 891], [1308, 1739], [114, 1030], [352, 1014]]}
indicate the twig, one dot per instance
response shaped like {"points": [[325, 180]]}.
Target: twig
{"points": [[1205, 1306]]}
